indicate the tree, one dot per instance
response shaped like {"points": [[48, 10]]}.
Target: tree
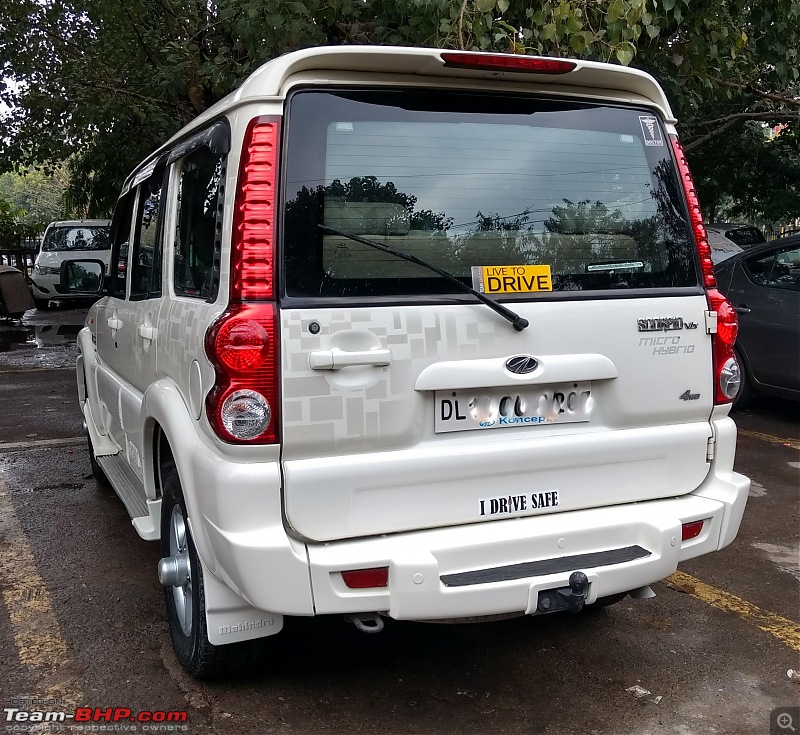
{"points": [[39, 195], [102, 82]]}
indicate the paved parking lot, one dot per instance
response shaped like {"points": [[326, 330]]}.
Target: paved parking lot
{"points": [[82, 621]]}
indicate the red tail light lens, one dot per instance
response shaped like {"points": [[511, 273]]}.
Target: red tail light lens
{"points": [[508, 62], [691, 530], [242, 345], [727, 372], [253, 239], [357, 579], [695, 215]]}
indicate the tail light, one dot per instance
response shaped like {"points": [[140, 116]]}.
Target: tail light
{"points": [[727, 373], [243, 343], [695, 215]]}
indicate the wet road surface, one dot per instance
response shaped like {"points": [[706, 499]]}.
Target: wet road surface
{"points": [[83, 622]]}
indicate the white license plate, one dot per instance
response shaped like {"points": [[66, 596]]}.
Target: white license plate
{"points": [[502, 408]]}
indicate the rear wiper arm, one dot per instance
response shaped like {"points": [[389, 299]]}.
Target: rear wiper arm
{"points": [[518, 322]]}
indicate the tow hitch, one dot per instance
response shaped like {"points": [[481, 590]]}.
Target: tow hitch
{"points": [[572, 598]]}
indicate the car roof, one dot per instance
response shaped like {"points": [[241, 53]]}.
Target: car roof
{"points": [[268, 81], [80, 223]]}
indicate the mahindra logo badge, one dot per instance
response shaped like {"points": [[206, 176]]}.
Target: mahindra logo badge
{"points": [[521, 364]]}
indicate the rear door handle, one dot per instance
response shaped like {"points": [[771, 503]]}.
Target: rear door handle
{"points": [[336, 359], [146, 332], [114, 323], [741, 309]]}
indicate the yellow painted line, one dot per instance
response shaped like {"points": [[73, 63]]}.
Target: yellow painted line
{"points": [[41, 648], [793, 443], [783, 629]]}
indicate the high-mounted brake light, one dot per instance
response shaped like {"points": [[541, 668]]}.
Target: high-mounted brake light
{"points": [[507, 62], [253, 238], [695, 214]]}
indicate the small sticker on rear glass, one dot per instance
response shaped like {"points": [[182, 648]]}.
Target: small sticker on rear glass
{"points": [[344, 127], [622, 265], [511, 278], [651, 130]]}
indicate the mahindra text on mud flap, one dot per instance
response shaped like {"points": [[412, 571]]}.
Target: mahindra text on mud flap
{"points": [[415, 334]]}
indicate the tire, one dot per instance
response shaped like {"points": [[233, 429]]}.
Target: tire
{"points": [[745, 395], [97, 470], [186, 611]]}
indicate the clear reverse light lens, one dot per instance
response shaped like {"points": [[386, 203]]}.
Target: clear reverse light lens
{"points": [[245, 414], [730, 378]]}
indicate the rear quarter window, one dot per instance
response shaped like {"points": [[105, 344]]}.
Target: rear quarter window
{"points": [[477, 180]]}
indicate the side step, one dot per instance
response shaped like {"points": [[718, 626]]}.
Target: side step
{"points": [[145, 514]]}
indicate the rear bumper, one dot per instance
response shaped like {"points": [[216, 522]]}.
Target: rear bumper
{"points": [[247, 547], [429, 572]]}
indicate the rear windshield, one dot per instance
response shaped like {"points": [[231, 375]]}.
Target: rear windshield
{"points": [[76, 238], [587, 192], [745, 236]]}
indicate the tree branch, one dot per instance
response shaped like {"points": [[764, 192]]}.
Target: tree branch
{"points": [[784, 100], [461, 24], [741, 116]]}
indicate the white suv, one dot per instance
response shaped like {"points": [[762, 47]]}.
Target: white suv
{"points": [[416, 334], [66, 239]]}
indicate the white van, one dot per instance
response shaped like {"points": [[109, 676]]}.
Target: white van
{"points": [[416, 334], [66, 239]]}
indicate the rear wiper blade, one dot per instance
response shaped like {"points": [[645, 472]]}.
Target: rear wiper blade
{"points": [[518, 322]]}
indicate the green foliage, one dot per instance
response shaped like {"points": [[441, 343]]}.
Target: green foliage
{"points": [[13, 228], [102, 82], [40, 196]]}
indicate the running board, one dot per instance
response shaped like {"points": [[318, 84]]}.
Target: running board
{"points": [[145, 514]]}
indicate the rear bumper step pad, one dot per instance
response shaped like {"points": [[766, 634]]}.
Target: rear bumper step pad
{"points": [[545, 566]]}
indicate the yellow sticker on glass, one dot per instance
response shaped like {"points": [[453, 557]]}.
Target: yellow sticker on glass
{"points": [[511, 278]]}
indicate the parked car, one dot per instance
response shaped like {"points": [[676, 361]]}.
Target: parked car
{"points": [[412, 333], [67, 239], [763, 284]]}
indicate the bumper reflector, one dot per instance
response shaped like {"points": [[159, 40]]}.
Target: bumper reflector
{"points": [[357, 579], [691, 530]]}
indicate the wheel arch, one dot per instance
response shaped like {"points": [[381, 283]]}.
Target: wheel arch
{"points": [[171, 439]]}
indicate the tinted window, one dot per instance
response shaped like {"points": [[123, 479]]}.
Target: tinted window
{"points": [[778, 269], [145, 263], [478, 180], [121, 229], [196, 237], [745, 236], [76, 238]]}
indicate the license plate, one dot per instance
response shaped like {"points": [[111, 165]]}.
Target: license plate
{"points": [[502, 408]]}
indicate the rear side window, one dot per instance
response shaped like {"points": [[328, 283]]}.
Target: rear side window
{"points": [[76, 238], [145, 262], [471, 180], [199, 187]]}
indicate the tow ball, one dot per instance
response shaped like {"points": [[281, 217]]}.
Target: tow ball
{"points": [[572, 598]]}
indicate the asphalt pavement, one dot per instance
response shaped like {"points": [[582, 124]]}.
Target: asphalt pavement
{"points": [[82, 622]]}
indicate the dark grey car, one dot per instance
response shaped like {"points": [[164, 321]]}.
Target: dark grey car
{"points": [[763, 284]]}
